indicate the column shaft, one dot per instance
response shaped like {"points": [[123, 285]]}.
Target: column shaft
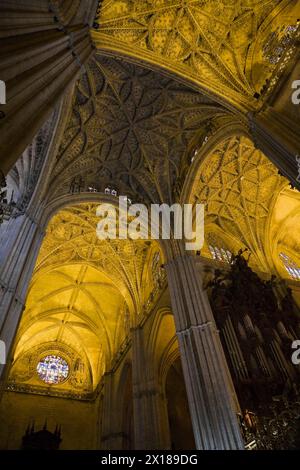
{"points": [[41, 56], [205, 369], [25, 238], [111, 435], [149, 403], [279, 139]]}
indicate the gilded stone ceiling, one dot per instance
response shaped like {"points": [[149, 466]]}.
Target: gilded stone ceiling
{"points": [[131, 125], [130, 128], [135, 131], [133, 128], [84, 296], [239, 187], [216, 44], [71, 239]]}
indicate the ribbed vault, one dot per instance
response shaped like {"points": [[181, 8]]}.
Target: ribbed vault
{"points": [[224, 47], [135, 128], [130, 129], [248, 204], [84, 296]]}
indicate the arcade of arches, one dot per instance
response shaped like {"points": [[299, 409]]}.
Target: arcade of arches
{"points": [[138, 344]]}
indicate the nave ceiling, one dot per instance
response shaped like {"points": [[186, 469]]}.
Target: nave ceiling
{"points": [[228, 49], [240, 188], [138, 130], [130, 129], [84, 297]]}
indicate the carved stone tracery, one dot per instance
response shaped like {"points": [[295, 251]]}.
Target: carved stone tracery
{"points": [[130, 129], [208, 42]]}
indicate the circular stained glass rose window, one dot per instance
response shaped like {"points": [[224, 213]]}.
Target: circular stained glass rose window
{"points": [[53, 369]]}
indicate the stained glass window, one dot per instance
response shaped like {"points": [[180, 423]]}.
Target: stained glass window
{"points": [[222, 255], [53, 369], [218, 249], [291, 267], [280, 41]]}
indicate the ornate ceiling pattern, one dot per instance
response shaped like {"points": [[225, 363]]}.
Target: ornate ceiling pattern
{"points": [[274, 46], [239, 186], [133, 128], [135, 131], [71, 239], [83, 298], [203, 41], [129, 129]]}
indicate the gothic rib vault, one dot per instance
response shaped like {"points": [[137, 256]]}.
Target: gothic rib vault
{"points": [[136, 126], [83, 299], [239, 187], [130, 128], [137, 132], [221, 46], [140, 133]]}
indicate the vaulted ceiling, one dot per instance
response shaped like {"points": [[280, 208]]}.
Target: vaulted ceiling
{"points": [[240, 188], [130, 128], [285, 229], [168, 74], [165, 74], [135, 123], [84, 296], [224, 47]]}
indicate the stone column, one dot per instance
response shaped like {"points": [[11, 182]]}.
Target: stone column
{"points": [[41, 56], [22, 236], [151, 427], [111, 435], [23, 240], [205, 369], [278, 137]]}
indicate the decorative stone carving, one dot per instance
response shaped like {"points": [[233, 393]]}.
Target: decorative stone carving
{"points": [[209, 42], [129, 129], [229, 185]]}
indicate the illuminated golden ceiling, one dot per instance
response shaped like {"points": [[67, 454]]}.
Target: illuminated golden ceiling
{"points": [[239, 185], [130, 129], [134, 129], [248, 205], [85, 293], [216, 44], [83, 298], [132, 125]]}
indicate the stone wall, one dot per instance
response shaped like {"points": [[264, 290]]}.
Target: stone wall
{"points": [[78, 420]]}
